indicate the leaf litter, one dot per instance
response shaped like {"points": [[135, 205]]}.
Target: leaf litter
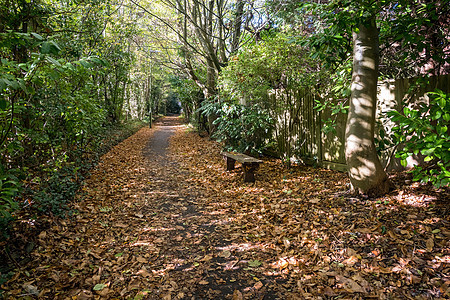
{"points": [[157, 224]]}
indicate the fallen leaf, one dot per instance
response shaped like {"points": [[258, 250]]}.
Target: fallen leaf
{"points": [[99, 287], [349, 285], [314, 200], [225, 254], [286, 243], [258, 285], [207, 257], [85, 295], [237, 295], [350, 261], [31, 289], [430, 244], [254, 263], [141, 259], [329, 292]]}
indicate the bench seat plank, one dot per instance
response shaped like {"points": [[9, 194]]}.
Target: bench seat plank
{"points": [[242, 158]]}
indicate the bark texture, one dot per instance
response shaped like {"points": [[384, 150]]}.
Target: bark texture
{"points": [[366, 173]]}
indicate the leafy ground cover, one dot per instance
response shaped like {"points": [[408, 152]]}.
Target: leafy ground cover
{"points": [[154, 224]]}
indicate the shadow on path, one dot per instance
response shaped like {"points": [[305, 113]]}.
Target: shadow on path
{"points": [[196, 261]]}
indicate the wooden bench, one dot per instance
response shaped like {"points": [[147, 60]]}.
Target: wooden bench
{"points": [[249, 164]]}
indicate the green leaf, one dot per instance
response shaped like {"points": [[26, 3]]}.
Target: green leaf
{"points": [[37, 36], [54, 75], [52, 60], [428, 158], [403, 162], [3, 104], [69, 66], [254, 263], [437, 115], [99, 287], [45, 48], [54, 47], [446, 117], [50, 47], [85, 64]]}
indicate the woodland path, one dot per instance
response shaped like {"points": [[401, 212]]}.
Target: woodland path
{"points": [[142, 230], [192, 252], [160, 218]]}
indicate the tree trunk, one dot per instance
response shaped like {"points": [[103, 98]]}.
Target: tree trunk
{"points": [[365, 171], [237, 26]]}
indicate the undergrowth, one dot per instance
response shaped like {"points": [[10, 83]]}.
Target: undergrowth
{"points": [[48, 192]]}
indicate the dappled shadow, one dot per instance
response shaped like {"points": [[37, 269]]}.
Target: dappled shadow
{"points": [[310, 238]]}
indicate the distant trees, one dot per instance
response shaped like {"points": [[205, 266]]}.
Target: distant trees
{"points": [[204, 34]]}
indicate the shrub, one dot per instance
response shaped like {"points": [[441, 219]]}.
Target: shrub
{"points": [[426, 131], [9, 187], [241, 128]]}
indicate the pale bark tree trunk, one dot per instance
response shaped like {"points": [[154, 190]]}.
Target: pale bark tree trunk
{"points": [[367, 176], [237, 26]]}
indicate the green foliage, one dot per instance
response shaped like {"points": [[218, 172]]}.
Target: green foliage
{"points": [[61, 185], [241, 128], [274, 63], [407, 28], [270, 76], [63, 71], [9, 187], [58, 192], [189, 95], [383, 140], [426, 131]]}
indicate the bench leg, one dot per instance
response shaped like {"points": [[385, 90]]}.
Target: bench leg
{"points": [[249, 171], [230, 163]]}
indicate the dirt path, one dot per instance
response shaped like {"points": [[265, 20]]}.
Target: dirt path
{"points": [[196, 261]]}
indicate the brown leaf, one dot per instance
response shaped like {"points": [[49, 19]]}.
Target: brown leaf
{"points": [[314, 200], [143, 272], [350, 261], [349, 284], [329, 292], [430, 244], [225, 254], [350, 252], [258, 285], [230, 265], [85, 295], [141, 259], [237, 295]]}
